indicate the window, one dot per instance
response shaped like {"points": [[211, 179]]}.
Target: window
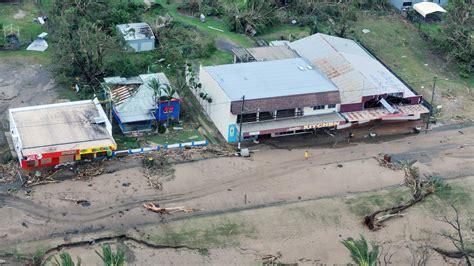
{"points": [[333, 105], [247, 118], [31, 163], [407, 3], [101, 154], [46, 161], [263, 116], [285, 113], [318, 107]]}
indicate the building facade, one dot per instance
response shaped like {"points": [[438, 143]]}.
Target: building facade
{"points": [[269, 98], [136, 106], [48, 135]]}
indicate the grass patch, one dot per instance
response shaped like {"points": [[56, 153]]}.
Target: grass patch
{"points": [[283, 33], [400, 45], [203, 236], [217, 58], [370, 202], [240, 39]]}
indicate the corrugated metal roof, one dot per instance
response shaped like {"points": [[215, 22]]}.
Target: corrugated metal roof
{"points": [[354, 71], [268, 53], [136, 31], [257, 80], [133, 98], [380, 113]]}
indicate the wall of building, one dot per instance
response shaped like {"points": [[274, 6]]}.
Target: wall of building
{"points": [[219, 109], [142, 45], [309, 110], [15, 136]]}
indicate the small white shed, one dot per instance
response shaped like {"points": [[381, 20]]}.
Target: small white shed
{"points": [[139, 36]]}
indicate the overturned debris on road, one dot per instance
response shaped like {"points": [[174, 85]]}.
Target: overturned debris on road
{"points": [[152, 207]]}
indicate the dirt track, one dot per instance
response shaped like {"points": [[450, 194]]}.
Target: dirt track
{"points": [[218, 186]]}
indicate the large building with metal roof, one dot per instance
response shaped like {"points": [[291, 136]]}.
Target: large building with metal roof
{"points": [[48, 135], [135, 105], [364, 82], [281, 97], [319, 81]]}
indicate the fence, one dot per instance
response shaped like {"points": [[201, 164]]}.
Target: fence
{"points": [[165, 147]]}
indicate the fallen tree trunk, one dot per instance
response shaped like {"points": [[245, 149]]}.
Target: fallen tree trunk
{"points": [[449, 254], [374, 223]]}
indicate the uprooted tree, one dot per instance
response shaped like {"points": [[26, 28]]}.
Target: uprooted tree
{"points": [[420, 186]]}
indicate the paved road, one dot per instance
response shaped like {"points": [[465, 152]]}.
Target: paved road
{"points": [[272, 176]]}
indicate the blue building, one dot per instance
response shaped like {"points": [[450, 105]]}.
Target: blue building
{"points": [[136, 107]]}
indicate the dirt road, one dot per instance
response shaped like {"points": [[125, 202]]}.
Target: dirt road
{"points": [[23, 83], [225, 185]]}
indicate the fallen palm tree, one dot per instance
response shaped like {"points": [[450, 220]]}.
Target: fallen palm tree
{"points": [[420, 186]]}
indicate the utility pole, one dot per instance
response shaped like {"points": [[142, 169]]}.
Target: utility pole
{"points": [[241, 121], [431, 109]]}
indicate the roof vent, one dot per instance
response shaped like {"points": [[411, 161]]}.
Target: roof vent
{"points": [[301, 68], [309, 67]]}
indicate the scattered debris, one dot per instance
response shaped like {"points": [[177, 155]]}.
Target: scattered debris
{"points": [[271, 259], [38, 178], [126, 184], [39, 45], [88, 170], [365, 31], [82, 202], [152, 207], [385, 160], [7, 173]]}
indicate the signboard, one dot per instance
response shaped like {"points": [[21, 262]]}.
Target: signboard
{"points": [[168, 109], [95, 149], [321, 125], [34, 157]]}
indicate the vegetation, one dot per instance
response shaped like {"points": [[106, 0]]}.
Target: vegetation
{"points": [[360, 252], [110, 258], [65, 259]]}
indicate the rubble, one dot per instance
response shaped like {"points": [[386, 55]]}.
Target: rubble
{"points": [[152, 207], [8, 172], [88, 170]]}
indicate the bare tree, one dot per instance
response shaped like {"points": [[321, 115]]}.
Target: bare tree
{"points": [[458, 239]]}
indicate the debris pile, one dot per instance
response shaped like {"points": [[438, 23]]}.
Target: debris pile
{"points": [[88, 170], [39, 178], [152, 207], [271, 259], [385, 160], [8, 173]]}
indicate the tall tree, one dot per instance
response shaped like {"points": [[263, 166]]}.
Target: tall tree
{"points": [[459, 40]]}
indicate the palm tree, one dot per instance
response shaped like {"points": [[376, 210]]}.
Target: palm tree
{"points": [[170, 91], [156, 86], [110, 258], [360, 253]]}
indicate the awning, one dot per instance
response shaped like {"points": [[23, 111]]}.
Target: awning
{"points": [[426, 8], [292, 124], [383, 113]]}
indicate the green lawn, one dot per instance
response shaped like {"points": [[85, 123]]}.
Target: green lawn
{"points": [[399, 44], [240, 39], [27, 28], [284, 32]]}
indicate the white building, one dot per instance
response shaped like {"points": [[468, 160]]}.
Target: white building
{"points": [[139, 36], [281, 97]]}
